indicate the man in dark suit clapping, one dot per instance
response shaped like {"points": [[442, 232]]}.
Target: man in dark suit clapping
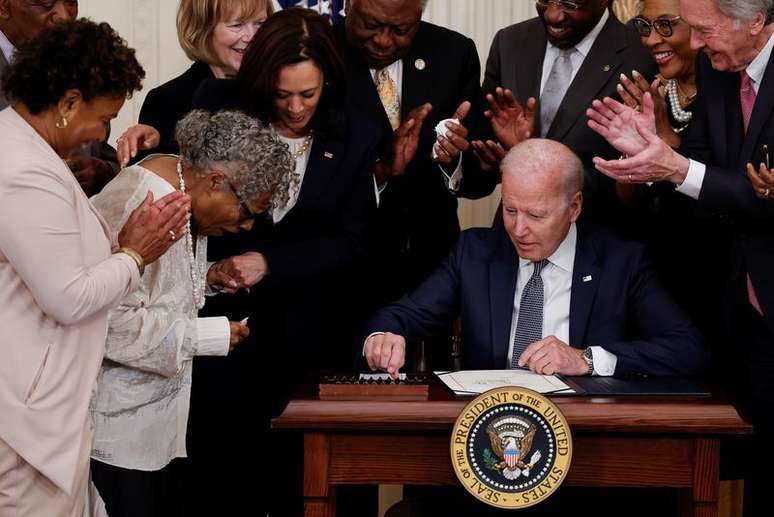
{"points": [[733, 126], [409, 75], [555, 65]]}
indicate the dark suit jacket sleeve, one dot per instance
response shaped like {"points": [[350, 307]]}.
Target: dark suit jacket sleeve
{"points": [[668, 343], [430, 307], [723, 191], [476, 183], [731, 193], [344, 244], [493, 70]]}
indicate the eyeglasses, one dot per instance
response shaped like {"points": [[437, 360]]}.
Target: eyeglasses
{"points": [[564, 5], [663, 26], [244, 210]]}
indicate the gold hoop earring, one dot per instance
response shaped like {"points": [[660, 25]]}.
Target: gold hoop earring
{"points": [[61, 124]]}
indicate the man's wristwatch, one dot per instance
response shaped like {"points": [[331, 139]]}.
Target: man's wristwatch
{"points": [[589, 358]]}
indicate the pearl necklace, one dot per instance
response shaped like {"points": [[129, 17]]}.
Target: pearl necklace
{"points": [[197, 278], [679, 114], [304, 147]]}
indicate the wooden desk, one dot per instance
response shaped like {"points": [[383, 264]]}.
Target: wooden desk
{"points": [[618, 442]]}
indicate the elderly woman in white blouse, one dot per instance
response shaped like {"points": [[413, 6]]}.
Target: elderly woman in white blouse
{"points": [[233, 168]]}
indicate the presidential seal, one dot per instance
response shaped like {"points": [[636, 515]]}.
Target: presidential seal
{"points": [[511, 447]]}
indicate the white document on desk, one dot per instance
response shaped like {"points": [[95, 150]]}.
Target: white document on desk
{"points": [[474, 382]]}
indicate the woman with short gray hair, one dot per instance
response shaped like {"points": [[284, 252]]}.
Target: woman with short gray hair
{"points": [[233, 167]]}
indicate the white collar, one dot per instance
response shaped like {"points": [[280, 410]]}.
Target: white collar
{"points": [[7, 48], [757, 66], [584, 46], [564, 256]]}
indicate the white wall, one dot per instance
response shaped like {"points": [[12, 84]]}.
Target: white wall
{"points": [[149, 27]]}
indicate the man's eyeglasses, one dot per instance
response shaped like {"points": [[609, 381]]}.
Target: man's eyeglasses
{"points": [[663, 26], [564, 5]]}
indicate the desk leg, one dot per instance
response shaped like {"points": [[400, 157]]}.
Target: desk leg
{"points": [[319, 496], [702, 499]]}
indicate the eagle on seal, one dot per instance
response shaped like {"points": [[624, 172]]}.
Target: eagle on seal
{"points": [[511, 439]]}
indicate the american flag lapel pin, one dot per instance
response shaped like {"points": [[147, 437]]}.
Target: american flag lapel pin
{"points": [[587, 278], [328, 155]]}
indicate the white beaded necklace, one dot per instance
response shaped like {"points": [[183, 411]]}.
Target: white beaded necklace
{"points": [[679, 114], [197, 278]]}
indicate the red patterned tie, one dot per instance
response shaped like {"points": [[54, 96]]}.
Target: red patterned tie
{"points": [[747, 96]]}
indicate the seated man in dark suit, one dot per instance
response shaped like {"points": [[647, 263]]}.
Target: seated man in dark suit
{"points": [[542, 292]]}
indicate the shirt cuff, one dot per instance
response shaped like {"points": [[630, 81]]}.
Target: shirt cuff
{"points": [[213, 336], [604, 361], [453, 181], [378, 191], [372, 334], [691, 187]]}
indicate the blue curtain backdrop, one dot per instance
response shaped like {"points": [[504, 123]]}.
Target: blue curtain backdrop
{"points": [[331, 9]]}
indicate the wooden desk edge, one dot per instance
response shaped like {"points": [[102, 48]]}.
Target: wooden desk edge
{"points": [[628, 417]]}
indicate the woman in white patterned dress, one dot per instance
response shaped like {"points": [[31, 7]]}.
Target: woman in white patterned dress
{"points": [[233, 167]]}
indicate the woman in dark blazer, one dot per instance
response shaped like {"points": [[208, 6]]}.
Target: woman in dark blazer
{"points": [[299, 263], [214, 35]]}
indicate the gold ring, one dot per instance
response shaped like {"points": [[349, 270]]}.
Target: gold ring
{"points": [[766, 193], [172, 235]]}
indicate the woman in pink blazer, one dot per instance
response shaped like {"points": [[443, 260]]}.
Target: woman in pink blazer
{"points": [[61, 269]]}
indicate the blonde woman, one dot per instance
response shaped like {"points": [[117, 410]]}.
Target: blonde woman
{"points": [[214, 34]]}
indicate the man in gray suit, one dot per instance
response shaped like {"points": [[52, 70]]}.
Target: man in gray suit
{"points": [[555, 65], [22, 20]]}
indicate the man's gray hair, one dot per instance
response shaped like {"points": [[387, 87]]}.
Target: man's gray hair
{"points": [[255, 161], [745, 11], [539, 155]]}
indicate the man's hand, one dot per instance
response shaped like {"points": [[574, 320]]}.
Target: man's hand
{"points": [[617, 123], [92, 173], [386, 352], [447, 149], [550, 356], [489, 153], [655, 162], [762, 181], [244, 270], [405, 141], [511, 122]]}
